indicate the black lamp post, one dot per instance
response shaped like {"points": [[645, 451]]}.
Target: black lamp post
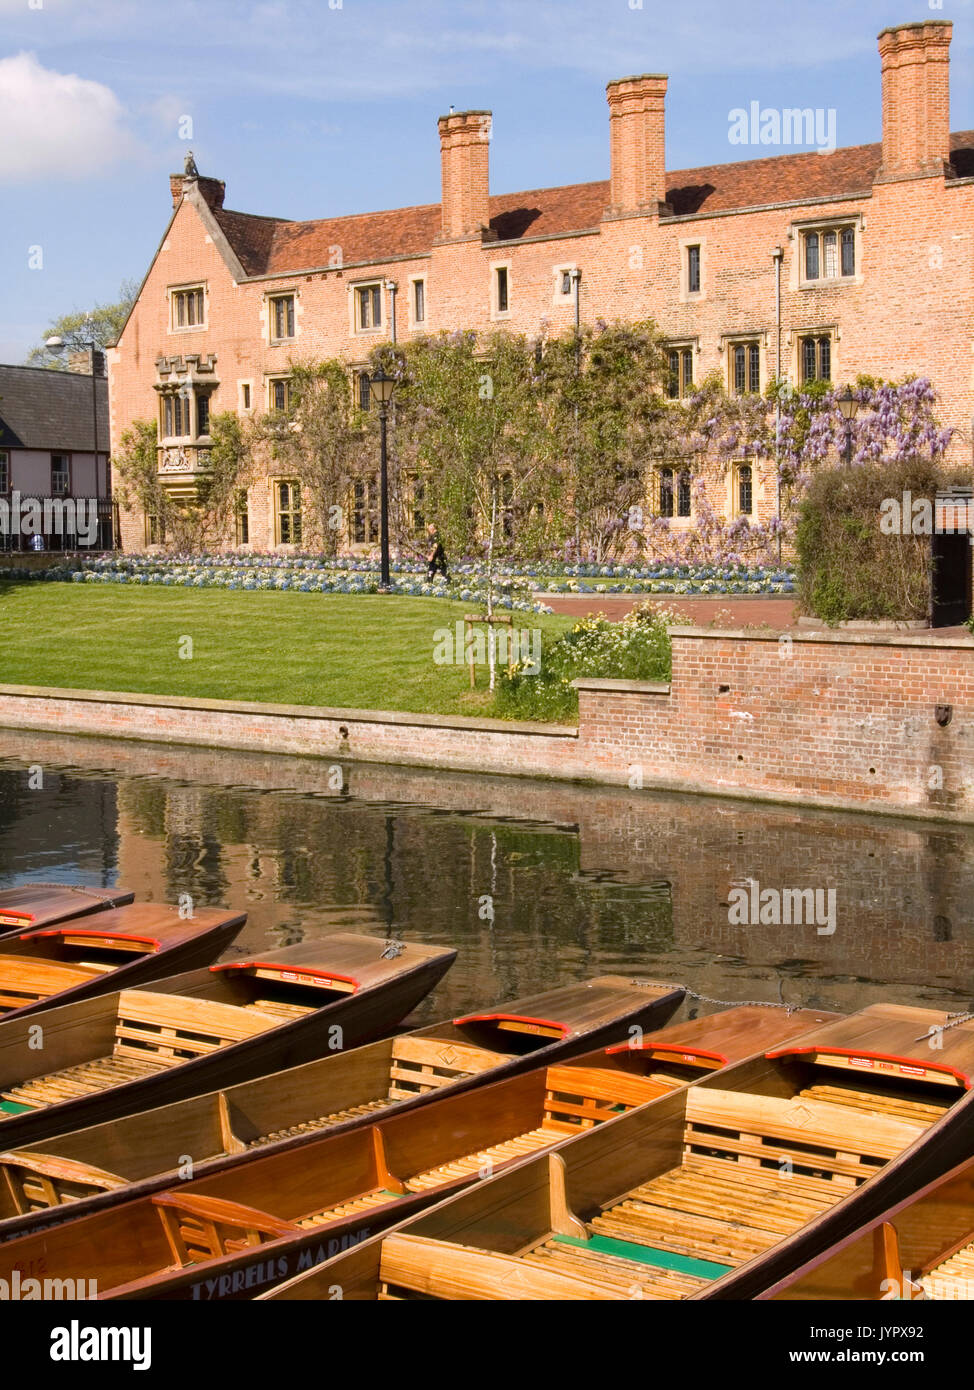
{"points": [[382, 388], [848, 405], [57, 346]]}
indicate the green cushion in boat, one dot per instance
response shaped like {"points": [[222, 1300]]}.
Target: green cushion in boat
{"points": [[13, 1107], [648, 1255]]}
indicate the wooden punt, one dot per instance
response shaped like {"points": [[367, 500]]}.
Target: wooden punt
{"points": [[35, 905], [125, 1051], [346, 1090], [921, 1248], [119, 948], [283, 1209], [717, 1191]]}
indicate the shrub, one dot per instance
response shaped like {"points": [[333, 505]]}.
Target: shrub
{"points": [[847, 566], [638, 648]]}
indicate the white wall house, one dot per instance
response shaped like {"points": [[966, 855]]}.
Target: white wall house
{"points": [[50, 422]]}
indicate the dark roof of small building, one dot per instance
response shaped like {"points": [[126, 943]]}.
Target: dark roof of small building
{"points": [[41, 408], [277, 246]]}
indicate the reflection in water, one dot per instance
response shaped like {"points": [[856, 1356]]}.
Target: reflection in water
{"points": [[535, 883]]}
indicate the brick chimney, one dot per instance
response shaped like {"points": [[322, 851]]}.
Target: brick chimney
{"points": [[211, 190], [464, 146], [637, 126], [916, 100]]}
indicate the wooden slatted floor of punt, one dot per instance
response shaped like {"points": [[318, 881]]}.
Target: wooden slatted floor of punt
{"points": [[714, 1210], [378, 1197], [337, 1117], [97, 1075], [895, 1107], [516, 1147], [954, 1279], [619, 1277]]}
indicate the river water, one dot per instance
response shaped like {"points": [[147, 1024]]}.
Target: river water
{"points": [[535, 883]]}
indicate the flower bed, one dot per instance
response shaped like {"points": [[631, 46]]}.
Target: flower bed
{"points": [[350, 575]]}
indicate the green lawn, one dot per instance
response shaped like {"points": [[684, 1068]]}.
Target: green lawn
{"points": [[361, 651]]}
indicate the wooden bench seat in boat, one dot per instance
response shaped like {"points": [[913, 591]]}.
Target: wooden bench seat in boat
{"points": [[37, 1181], [203, 1228], [152, 1033], [425, 1064], [878, 1102], [26, 979]]}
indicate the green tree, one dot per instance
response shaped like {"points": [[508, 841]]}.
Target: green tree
{"points": [[187, 525], [104, 320], [321, 441]]}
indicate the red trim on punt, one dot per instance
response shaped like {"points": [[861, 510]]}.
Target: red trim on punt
{"points": [[287, 975], [647, 1045], [149, 941], [512, 1018], [909, 1066]]}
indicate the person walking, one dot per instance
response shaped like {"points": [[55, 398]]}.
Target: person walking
{"points": [[436, 556]]}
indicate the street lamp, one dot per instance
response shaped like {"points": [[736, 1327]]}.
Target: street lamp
{"points": [[57, 346], [382, 387], [848, 405]]}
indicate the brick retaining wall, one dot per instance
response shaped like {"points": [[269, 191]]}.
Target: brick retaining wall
{"points": [[814, 718], [820, 718]]}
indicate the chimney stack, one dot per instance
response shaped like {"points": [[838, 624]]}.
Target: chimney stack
{"points": [[464, 146], [637, 125], [212, 191], [916, 100]]}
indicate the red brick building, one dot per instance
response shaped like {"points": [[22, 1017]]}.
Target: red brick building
{"points": [[804, 265]]}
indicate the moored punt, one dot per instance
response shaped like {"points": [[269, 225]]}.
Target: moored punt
{"points": [[289, 1207], [134, 1048], [713, 1192], [118, 948], [921, 1248], [107, 1163], [35, 905]]}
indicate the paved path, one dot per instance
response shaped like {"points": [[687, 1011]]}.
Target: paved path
{"points": [[731, 610]]}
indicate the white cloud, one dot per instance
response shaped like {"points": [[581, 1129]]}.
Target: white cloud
{"points": [[55, 124]]}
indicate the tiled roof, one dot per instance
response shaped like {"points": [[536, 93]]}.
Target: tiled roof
{"points": [[45, 409], [274, 246]]}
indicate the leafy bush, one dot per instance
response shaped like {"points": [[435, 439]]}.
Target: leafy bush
{"points": [[848, 567], [638, 648]]}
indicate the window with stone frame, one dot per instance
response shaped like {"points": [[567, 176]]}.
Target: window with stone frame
{"points": [[745, 368], [743, 484], [155, 529], [282, 317], [673, 493], [287, 512], [419, 301], [241, 514], [693, 270], [188, 307], [680, 381], [368, 307], [828, 253], [279, 394], [815, 357]]}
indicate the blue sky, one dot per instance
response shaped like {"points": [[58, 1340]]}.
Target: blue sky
{"points": [[311, 108]]}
